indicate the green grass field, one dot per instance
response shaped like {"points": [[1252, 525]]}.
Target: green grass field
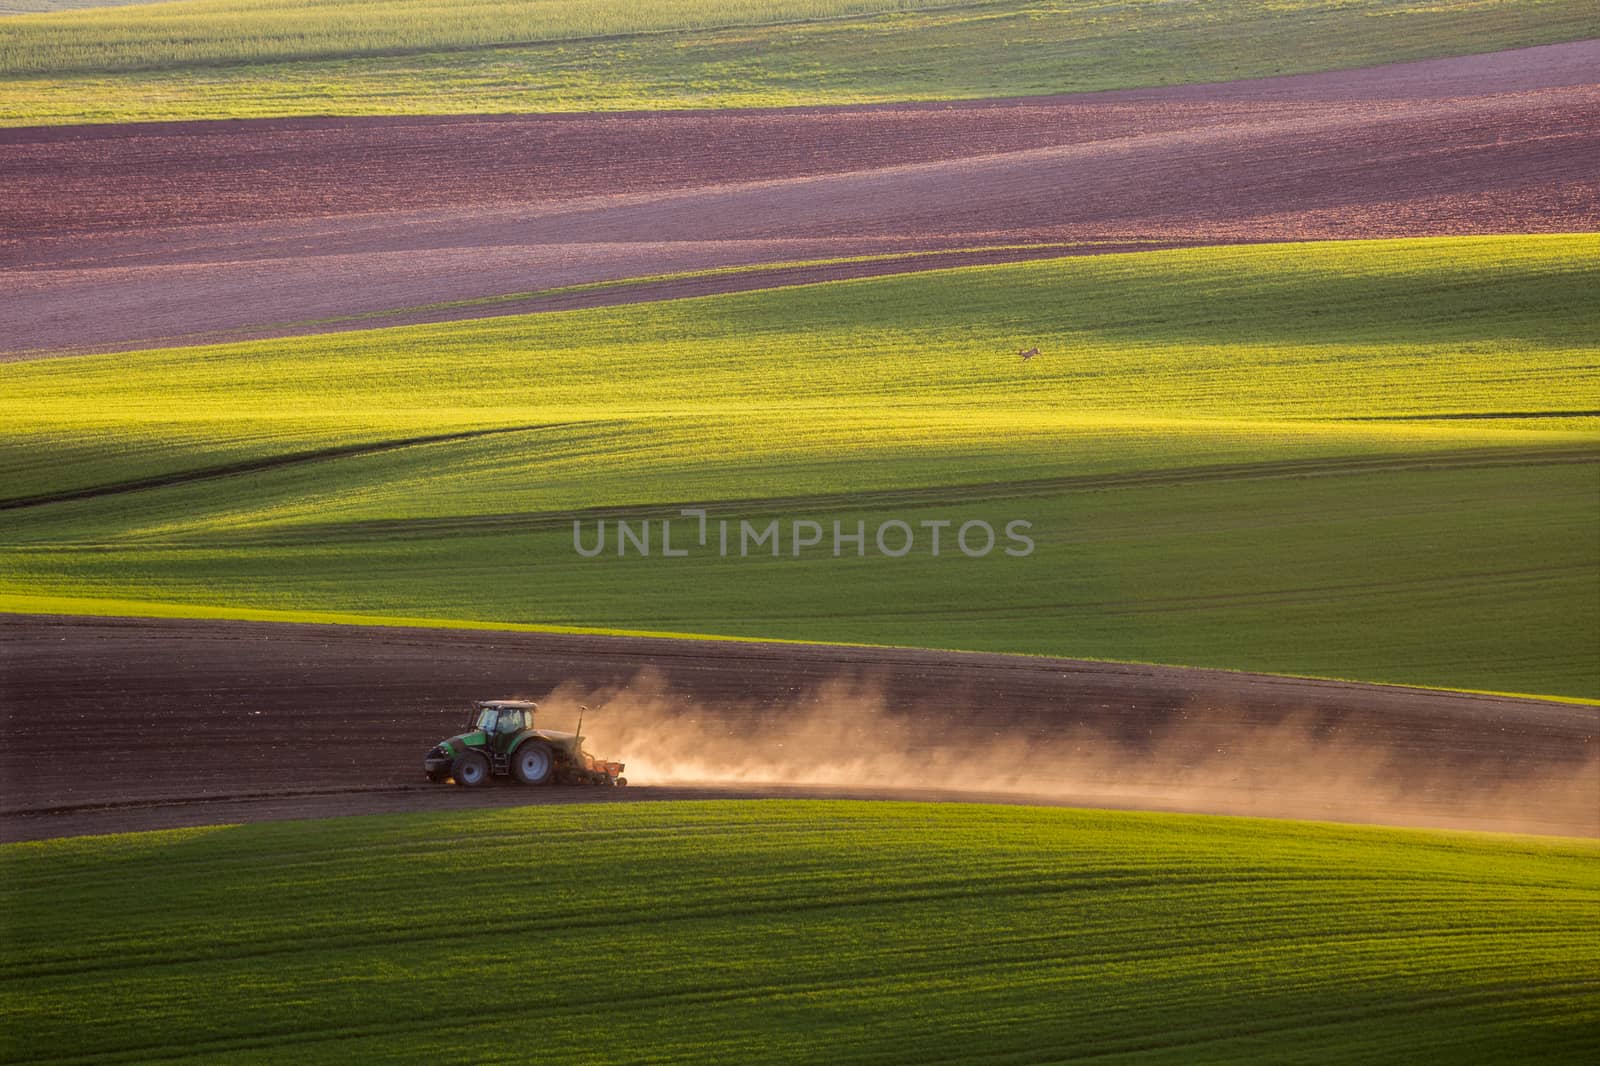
{"points": [[1372, 460], [789, 932], [189, 33], [241, 58]]}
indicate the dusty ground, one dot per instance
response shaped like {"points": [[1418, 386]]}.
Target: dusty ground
{"points": [[125, 236], [121, 724]]}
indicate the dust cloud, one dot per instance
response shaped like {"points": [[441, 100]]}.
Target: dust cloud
{"points": [[843, 737]]}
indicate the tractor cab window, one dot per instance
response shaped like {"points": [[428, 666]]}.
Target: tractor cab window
{"points": [[511, 719], [486, 719]]}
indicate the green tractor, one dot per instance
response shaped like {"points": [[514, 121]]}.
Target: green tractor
{"points": [[502, 742]]}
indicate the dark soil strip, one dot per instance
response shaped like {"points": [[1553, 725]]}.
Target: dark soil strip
{"points": [[122, 724]]}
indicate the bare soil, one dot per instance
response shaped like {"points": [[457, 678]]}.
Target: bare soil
{"points": [[114, 725], [117, 237]]}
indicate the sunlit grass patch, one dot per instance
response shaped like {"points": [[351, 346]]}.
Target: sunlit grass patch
{"points": [[242, 58], [1374, 460]]}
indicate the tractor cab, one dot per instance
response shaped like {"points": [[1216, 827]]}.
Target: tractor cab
{"points": [[500, 721]]}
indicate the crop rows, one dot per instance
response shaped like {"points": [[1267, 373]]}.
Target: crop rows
{"points": [[241, 58], [780, 932]]}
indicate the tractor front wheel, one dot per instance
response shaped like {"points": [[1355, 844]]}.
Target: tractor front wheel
{"points": [[470, 769], [534, 763]]}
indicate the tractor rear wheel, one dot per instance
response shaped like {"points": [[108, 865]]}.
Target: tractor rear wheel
{"points": [[534, 763], [470, 769]]}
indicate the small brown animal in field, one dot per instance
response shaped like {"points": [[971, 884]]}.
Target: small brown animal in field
{"points": [[1028, 353]]}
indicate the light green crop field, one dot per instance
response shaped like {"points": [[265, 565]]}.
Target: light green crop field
{"points": [[794, 932], [241, 58], [217, 32], [1370, 460]]}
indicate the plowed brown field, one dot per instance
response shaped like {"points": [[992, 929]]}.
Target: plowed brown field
{"points": [[188, 723], [129, 236]]}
